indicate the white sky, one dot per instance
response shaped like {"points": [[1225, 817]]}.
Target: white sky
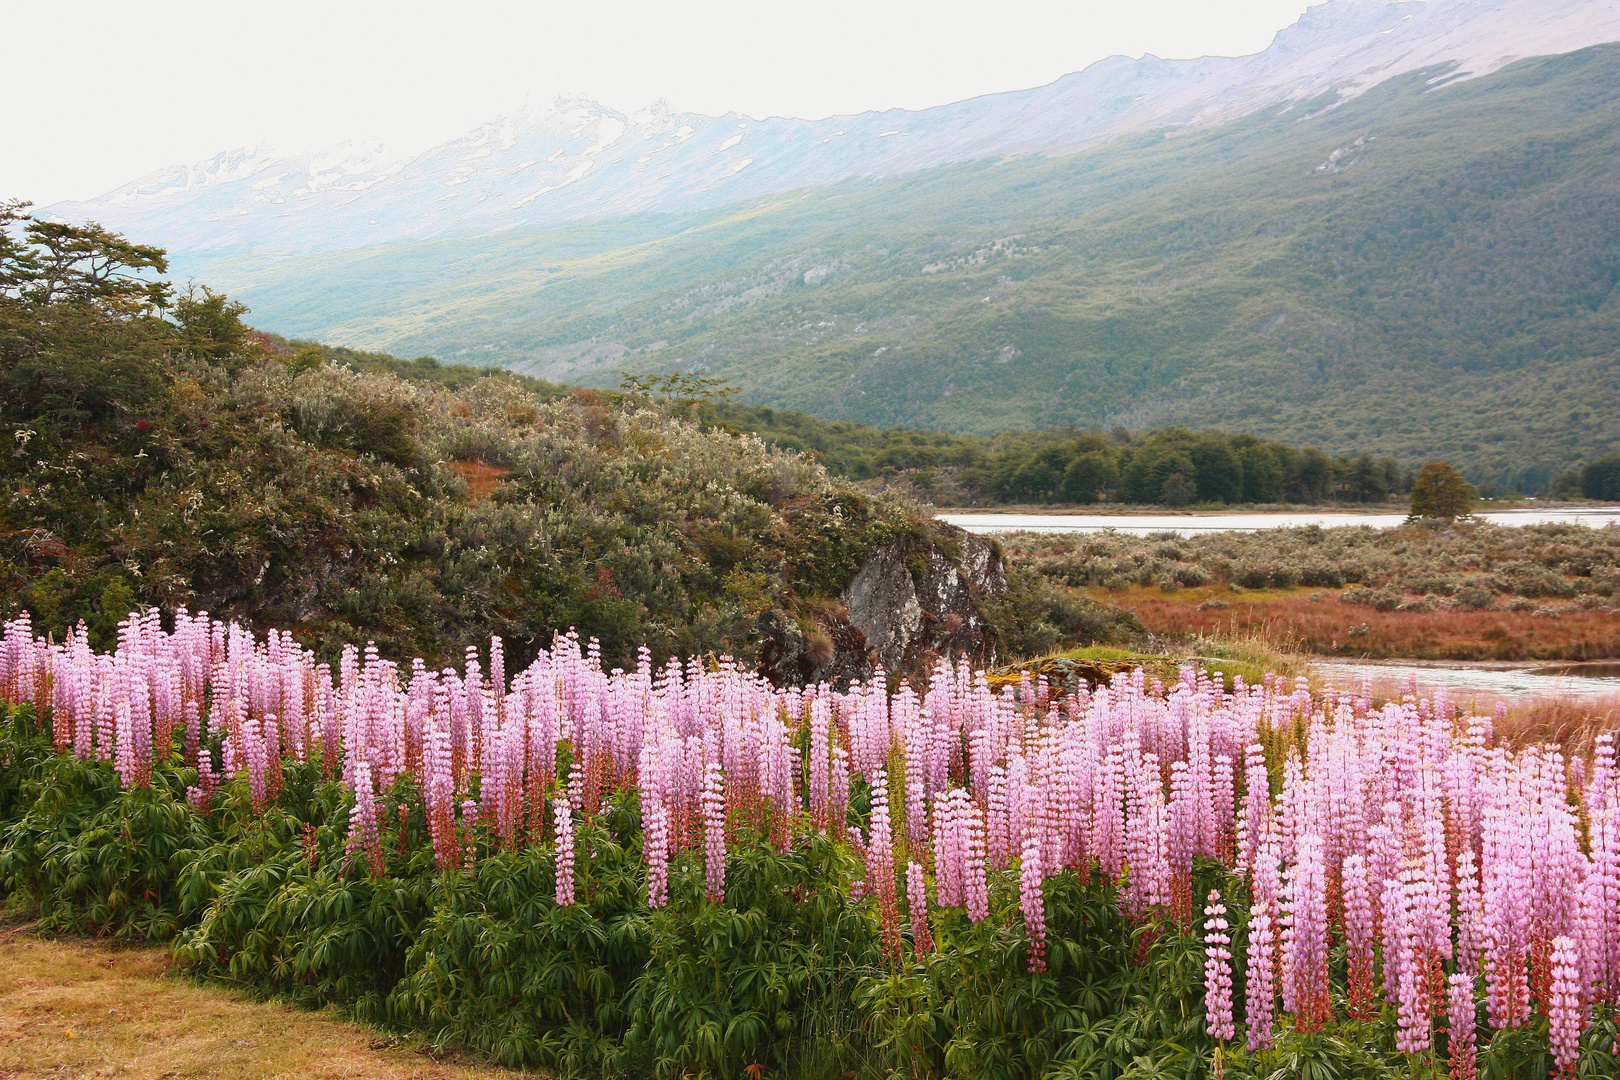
{"points": [[97, 92]]}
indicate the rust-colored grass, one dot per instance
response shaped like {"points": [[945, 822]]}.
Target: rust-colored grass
{"points": [[482, 479], [1317, 621], [71, 1009]]}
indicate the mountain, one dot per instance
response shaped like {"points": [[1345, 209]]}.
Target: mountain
{"points": [[580, 160], [1384, 234]]}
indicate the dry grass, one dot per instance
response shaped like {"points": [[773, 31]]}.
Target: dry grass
{"points": [[1572, 723], [1317, 621], [73, 1008]]}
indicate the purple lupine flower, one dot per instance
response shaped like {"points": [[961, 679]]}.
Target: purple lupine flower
{"points": [[1260, 993], [1462, 1015], [1032, 902], [922, 938]]}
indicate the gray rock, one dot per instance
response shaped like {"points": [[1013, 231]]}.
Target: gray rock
{"points": [[911, 603]]}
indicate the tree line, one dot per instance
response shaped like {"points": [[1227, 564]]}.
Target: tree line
{"points": [[1598, 479], [1173, 467]]}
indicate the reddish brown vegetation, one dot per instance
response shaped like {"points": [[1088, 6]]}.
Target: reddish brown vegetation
{"points": [[482, 480], [1318, 621]]}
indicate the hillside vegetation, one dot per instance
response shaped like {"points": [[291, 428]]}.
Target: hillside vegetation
{"points": [[160, 453], [1175, 467], [1424, 270]]}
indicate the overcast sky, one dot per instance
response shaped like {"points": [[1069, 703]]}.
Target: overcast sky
{"points": [[97, 92]]}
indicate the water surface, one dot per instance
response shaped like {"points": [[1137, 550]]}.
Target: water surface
{"points": [[1193, 524], [1549, 680]]}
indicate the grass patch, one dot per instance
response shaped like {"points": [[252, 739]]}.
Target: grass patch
{"points": [[1248, 658], [75, 1008]]}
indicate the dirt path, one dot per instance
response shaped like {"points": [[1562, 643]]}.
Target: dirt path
{"points": [[71, 1009]]}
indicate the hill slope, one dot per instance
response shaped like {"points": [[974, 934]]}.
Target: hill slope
{"points": [[1422, 270]]}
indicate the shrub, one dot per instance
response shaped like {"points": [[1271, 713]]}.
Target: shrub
{"points": [[1037, 616]]}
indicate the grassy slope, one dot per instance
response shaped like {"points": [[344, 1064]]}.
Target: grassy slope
{"points": [[1449, 289]]}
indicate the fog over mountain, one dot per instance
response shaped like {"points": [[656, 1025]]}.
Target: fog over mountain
{"points": [[577, 159]]}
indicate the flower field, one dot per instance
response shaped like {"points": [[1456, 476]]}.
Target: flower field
{"points": [[683, 870]]}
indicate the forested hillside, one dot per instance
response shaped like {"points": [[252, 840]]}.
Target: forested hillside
{"points": [[1424, 270]]}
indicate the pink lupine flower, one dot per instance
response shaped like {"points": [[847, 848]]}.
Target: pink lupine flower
{"points": [[1217, 970], [1032, 902], [917, 903], [563, 813], [1565, 1011], [880, 865], [363, 834], [1260, 994], [1462, 1017], [975, 881], [1358, 936], [714, 832], [1305, 938]]}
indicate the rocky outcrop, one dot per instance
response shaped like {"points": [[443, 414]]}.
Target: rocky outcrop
{"points": [[911, 603]]}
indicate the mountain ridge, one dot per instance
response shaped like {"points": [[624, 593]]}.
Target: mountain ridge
{"points": [[579, 160]]}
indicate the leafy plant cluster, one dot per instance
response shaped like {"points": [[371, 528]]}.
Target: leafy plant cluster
{"points": [[1597, 479], [1468, 565]]}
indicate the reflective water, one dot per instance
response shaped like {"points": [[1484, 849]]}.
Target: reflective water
{"points": [[1190, 524], [1591, 680]]}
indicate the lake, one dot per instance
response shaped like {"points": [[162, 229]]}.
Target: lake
{"points": [[1191, 524]]}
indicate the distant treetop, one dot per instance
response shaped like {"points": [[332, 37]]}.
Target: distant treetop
{"points": [[1440, 492]]}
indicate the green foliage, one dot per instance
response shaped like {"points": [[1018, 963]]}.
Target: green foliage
{"points": [[25, 750], [1040, 614], [498, 967], [1113, 992], [1058, 465], [356, 497], [769, 977], [301, 355], [1441, 492], [1600, 479], [99, 859], [211, 327]]}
